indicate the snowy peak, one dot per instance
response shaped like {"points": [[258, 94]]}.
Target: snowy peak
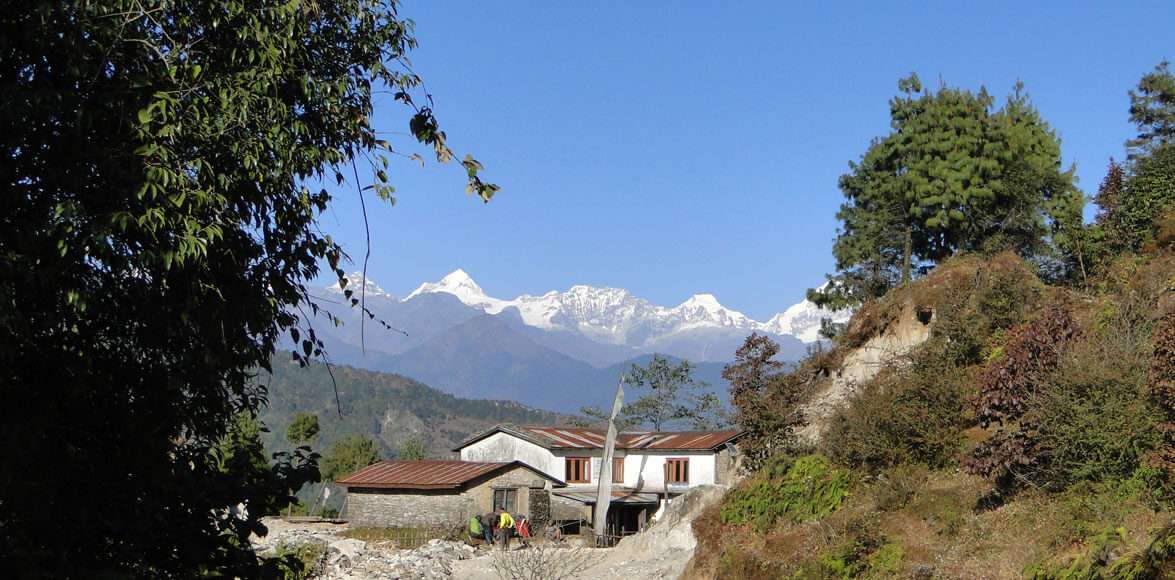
{"points": [[802, 320], [705, 301], [353, 284], [705, 309], [459, 284]]}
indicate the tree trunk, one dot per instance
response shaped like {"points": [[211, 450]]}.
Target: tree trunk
{"points": [[907, 249]]}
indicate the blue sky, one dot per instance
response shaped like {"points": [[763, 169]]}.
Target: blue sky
{"points": [[674, 148]]}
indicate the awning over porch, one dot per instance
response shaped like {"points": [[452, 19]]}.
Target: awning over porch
{"points": [[618, 496]]}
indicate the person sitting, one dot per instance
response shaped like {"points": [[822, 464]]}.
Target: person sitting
{"points": [[554, 533]]}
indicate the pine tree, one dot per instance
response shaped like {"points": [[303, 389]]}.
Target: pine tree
{"points": [[1152, 109], [953, 175]]}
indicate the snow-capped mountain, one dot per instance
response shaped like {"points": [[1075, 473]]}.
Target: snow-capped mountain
{"points": [[353, 280], [559, 349], [615, 316], [802, 320]]}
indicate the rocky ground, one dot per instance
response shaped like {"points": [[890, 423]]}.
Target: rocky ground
{"points": [[661, 552]]}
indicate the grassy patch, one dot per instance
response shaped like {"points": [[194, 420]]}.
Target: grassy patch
{"points": [[804, 490]]}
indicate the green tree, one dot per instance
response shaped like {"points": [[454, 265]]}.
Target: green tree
{"points": [[1152, 109], [1134, 196], [411, 448], [1147, 195], [666, 395], [165, 164], [953, 175], [873, 246], [766, 400], [303, 428], [348, 455], [242, 443]]}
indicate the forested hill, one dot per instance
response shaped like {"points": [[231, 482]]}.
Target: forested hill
{"points": [[386, 407]]}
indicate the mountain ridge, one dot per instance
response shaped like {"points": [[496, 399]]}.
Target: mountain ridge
{"points": [[615, 315]]}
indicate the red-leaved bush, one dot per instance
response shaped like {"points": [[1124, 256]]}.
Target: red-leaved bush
{"points": [[1009, 385]]}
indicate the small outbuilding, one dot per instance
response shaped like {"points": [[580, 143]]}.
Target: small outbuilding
{"points": [[413, 494]]}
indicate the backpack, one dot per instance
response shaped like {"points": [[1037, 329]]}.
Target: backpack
{"points": [[474, 526]]}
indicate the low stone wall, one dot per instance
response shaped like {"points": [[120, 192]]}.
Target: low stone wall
{"points": [[376, 508]]}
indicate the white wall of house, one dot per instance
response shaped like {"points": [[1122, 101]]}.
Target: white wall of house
{"points": [[643, 470], [646, 470], [505, 447]]}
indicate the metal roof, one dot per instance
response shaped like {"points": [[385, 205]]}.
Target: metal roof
{"points": [[586, 438], [428, 474], [677, 439]]}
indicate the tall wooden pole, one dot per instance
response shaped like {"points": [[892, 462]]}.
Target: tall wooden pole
{"points": [[604, 491]]}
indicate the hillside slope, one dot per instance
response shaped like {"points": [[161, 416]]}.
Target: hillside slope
{"points": [[383, 406], [976, 423]]}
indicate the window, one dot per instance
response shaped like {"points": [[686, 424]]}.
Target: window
{"points": [[507, 498], [677, 471], [617, 470], [579, 470]]}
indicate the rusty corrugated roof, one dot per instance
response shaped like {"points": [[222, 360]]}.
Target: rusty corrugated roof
{"points": [[677, 439], [569, 437], [427, 474], [586, 438]]}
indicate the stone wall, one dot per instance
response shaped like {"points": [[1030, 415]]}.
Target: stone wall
{"points": [[723, 466], [407, 508], [411, 508], [481, 492]]}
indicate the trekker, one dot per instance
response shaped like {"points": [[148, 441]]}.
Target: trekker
{"points": [[522, 526], [505, 526], [487, 527], [475, 528]]}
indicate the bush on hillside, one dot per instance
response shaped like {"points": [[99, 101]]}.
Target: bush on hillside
{"points": [[1009, 387], [1157, 560], [908, 415], [806, 489], [1161, 387], [1093, 424]]}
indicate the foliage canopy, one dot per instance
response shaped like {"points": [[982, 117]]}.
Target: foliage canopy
{"points": [[164, 166], [953, 175]]}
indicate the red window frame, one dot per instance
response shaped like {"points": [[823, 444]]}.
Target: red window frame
{"points": [[677, 471], [577, 469], [617, 470]]}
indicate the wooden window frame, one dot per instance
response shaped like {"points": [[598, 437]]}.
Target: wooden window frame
{"points": [[677, 471], [585, 462], [509, 496], [617, 470]]}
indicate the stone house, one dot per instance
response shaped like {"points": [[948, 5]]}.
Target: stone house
{"points": [[648, 468], [413, 494]]}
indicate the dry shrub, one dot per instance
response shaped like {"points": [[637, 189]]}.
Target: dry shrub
{"points": [[1093, 422], [896, 488], [541, 561], [908, 415]]}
